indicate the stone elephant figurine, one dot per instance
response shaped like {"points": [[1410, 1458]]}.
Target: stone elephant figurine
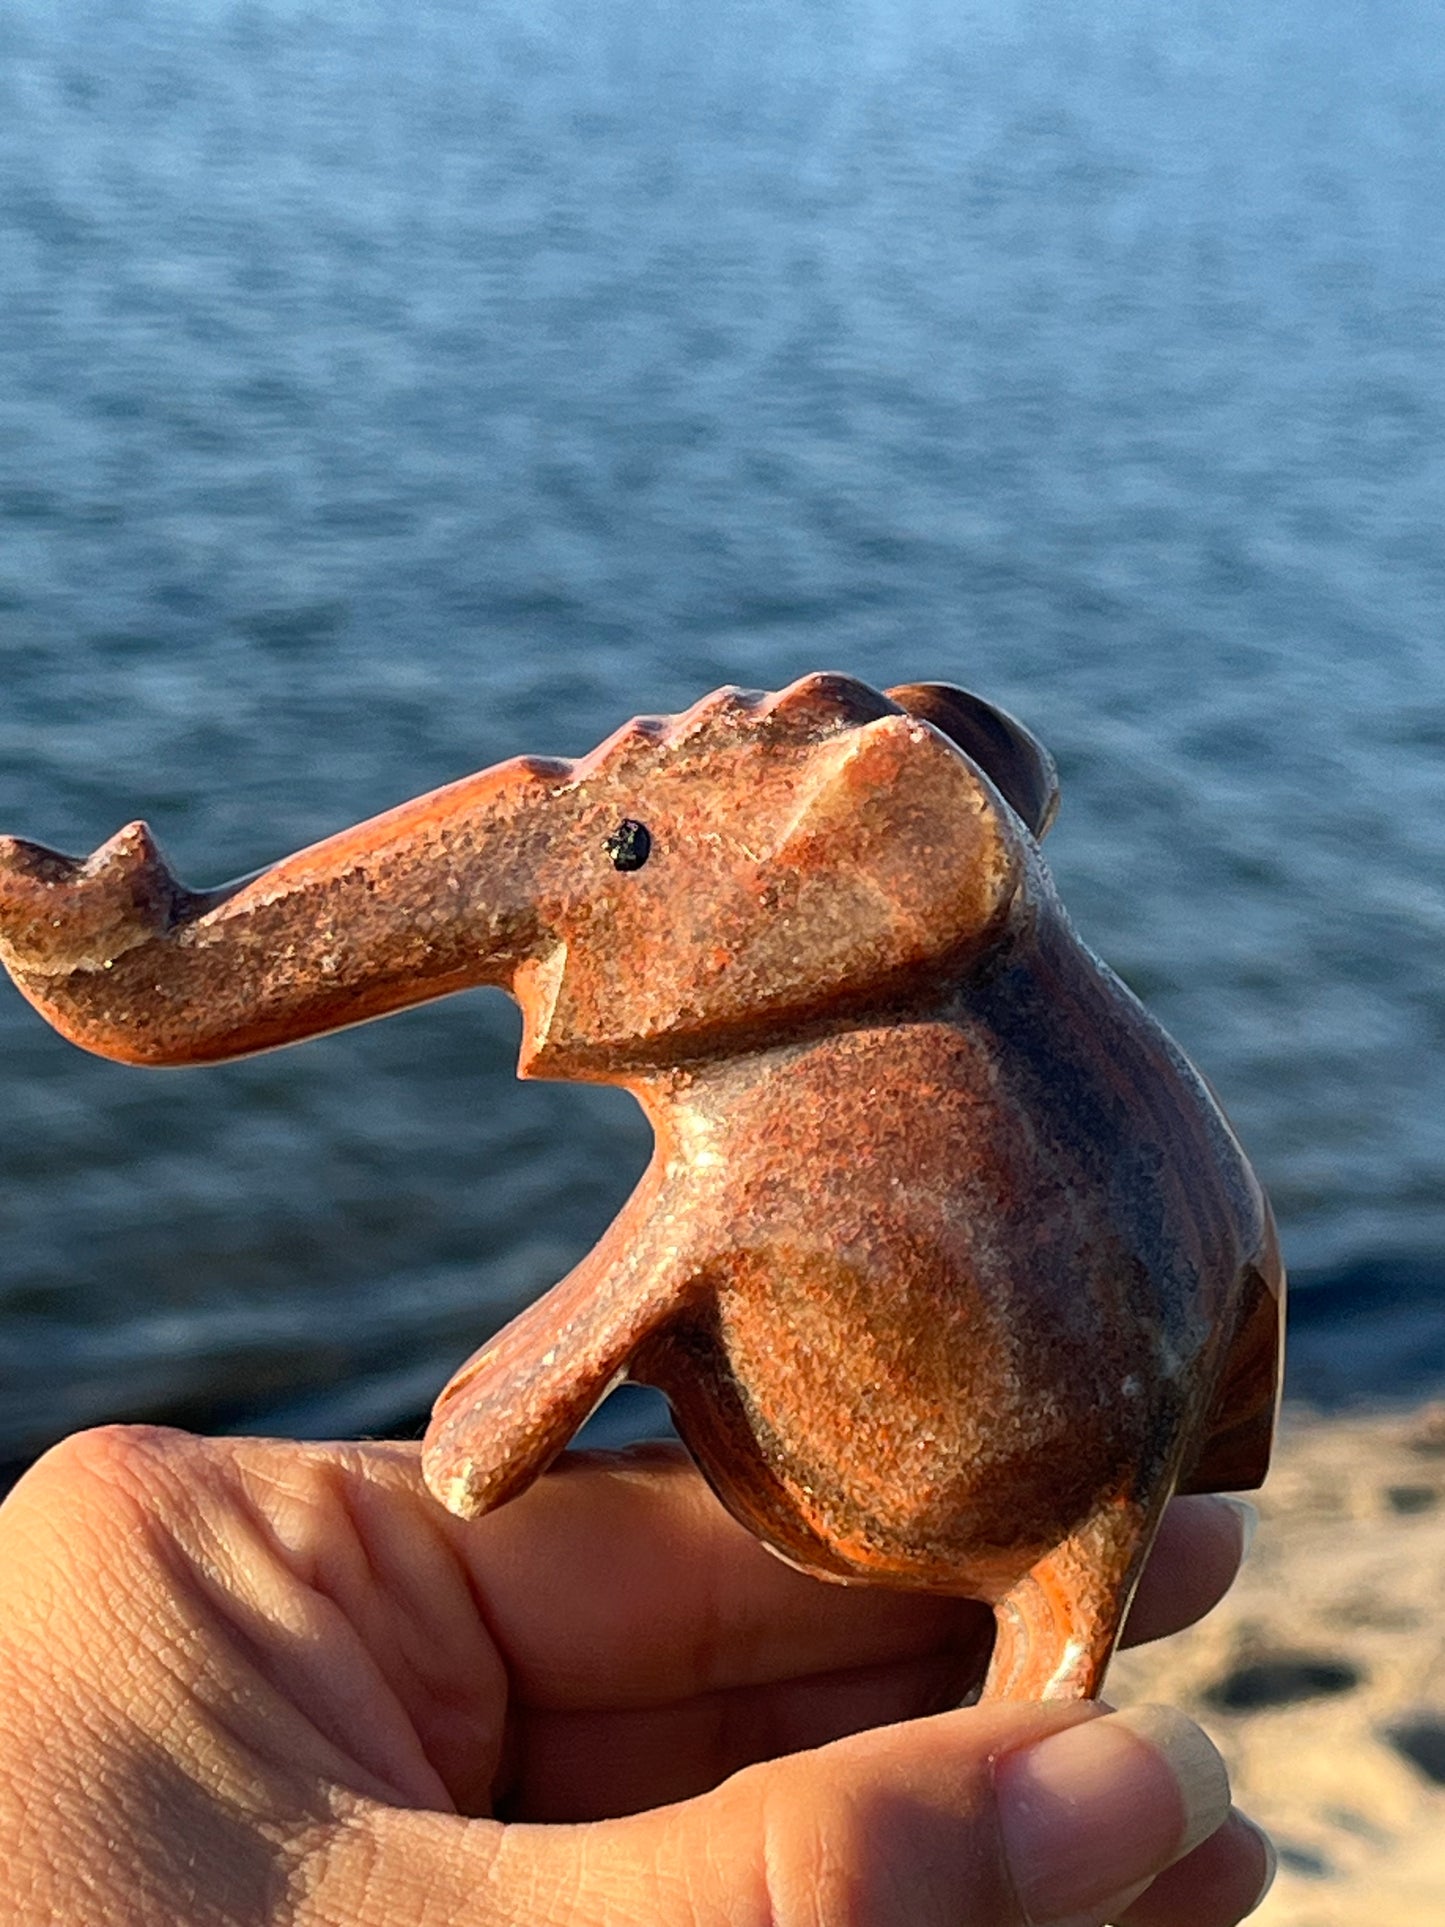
{"points": [[946, 1259]]}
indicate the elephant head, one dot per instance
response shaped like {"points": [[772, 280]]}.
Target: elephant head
{"points": [[693, 882]]}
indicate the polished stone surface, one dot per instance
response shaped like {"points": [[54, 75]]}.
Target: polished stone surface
{"points": [[950, 1267]]}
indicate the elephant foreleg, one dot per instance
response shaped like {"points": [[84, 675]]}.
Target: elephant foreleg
{"points": [[514, 1405]]}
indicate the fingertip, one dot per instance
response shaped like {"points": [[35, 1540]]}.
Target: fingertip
{"points": [[1194, 1561], [1247, 1516], [1223, 1881]]}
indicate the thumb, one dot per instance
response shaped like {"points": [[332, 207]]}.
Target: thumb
{"points": [[1006, 1816]]}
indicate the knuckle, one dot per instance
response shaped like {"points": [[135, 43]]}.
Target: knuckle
{"points": [[106, 1464]]}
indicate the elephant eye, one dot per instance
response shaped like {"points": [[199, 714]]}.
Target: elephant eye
{"points": [[630, 845]]}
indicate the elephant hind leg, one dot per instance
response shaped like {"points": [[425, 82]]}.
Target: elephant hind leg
{"points": [[1057, 1628]]}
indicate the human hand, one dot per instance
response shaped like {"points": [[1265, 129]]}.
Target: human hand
{"points": [[246, 1683]]}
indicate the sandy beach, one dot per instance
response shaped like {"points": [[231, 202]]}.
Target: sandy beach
{"points": [[1322, 1676]]}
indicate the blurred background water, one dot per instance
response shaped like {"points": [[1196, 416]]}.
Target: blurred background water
{"points": [[384, 391]]}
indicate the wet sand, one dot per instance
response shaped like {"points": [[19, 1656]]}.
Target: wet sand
{"points": [[1322, 1676]]}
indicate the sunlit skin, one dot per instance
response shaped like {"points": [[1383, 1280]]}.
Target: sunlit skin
{"points": [[245, 1682]]}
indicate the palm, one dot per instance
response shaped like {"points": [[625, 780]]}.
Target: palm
{"points": [[610, 1642]]}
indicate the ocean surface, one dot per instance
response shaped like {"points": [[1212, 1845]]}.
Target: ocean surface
{"points": [[385, 391]]}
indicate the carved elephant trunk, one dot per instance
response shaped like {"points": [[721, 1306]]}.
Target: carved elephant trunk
{"points": [[429, 898]]}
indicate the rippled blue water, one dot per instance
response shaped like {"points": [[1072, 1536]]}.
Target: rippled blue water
{"points": [[384, 391]]}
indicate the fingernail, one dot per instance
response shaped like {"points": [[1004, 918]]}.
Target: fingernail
{"points": [[1271, 1859], [1248, 1517], [1095, 1812]]}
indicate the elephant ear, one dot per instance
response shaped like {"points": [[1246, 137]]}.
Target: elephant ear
{"points": [[1011, 756], [899, 856]]}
